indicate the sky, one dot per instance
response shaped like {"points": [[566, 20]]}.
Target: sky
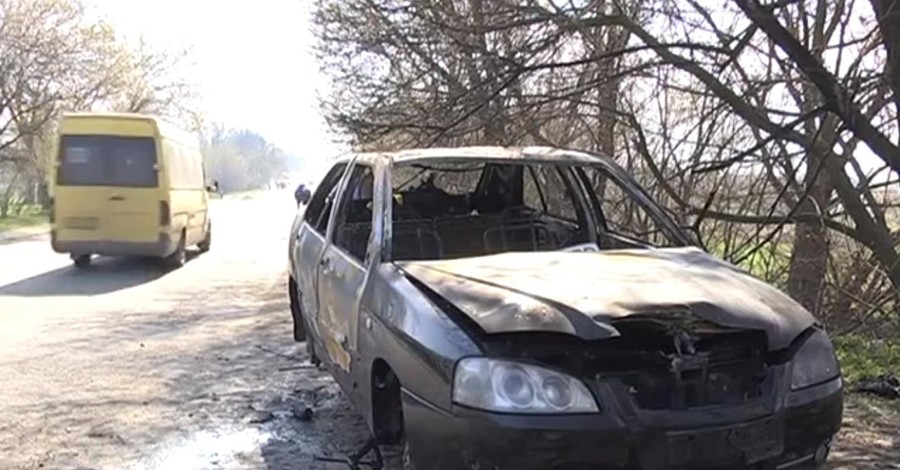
{"points": [[251, 61]]}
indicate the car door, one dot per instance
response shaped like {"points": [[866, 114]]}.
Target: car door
{"points": [[133, 213], [342, 268], [309, 243], [80, 197]]}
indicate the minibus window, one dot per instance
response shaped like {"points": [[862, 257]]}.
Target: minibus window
{"points": [[133, 162], [107, 161], [81, 162]]}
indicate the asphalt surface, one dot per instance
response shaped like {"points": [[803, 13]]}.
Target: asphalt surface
{"points": [[127, 366]]}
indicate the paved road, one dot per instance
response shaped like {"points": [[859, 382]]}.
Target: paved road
{"points": [[124, 366]]}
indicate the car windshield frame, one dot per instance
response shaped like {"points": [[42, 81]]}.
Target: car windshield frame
{"points": [[635, 192]]}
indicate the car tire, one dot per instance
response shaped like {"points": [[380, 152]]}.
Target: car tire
{"points": [[205, 245], [397, 456], [311, 351], [296, 312], [179, 257], [82, 261]]}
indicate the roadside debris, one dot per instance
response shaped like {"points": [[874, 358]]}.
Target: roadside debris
{"points": [[275, 353], [884, 386], [259, 416], [303, 413], [355, 461], [105, 432], [297, 367]]}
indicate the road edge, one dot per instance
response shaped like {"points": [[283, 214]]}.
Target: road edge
{"points": [[22, 234]]}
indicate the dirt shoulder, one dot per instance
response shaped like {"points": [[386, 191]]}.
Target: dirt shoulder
{"points": [[870, 437], [9, 234]]}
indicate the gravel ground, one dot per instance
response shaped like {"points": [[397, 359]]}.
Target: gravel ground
{"points": [[124, 366], [870, 437]]}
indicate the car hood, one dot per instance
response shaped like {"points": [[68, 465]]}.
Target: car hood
{"points": [[585, 293]]}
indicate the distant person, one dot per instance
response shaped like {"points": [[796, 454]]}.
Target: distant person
{"points": [[302, 194]]}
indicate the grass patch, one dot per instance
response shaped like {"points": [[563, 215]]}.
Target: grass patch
{"points": [[866, 357], [770, 262], [28, 216]]}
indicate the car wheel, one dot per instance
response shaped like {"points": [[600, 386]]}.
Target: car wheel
{"points": [[296, 311], [207, 240], [82, 261], [311, 351], [179, 257], [397, 456]]}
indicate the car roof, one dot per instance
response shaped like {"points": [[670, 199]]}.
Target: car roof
{"points": [[531, 153]]}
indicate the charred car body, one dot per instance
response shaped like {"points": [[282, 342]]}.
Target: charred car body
{"points": [[534, 308]]}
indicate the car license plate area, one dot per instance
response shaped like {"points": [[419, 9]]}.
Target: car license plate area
{"points": [[81, 223], [701, 448], [750, 443], [760, 440]]}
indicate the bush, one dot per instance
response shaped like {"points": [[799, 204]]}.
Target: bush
{"points": [[863, 357]]}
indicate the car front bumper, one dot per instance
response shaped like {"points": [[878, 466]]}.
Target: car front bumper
{"points": [[796, 427]]}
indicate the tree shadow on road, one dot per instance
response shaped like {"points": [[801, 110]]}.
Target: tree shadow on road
{"points": [[234, 402], [104, 276]]}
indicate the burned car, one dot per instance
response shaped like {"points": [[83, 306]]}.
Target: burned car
{"points": [[533, 308]]}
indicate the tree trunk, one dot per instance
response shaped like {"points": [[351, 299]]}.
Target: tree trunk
{"points": [[491, 115], [809, 257], [43, 195], [888, 14], [874, 235]]}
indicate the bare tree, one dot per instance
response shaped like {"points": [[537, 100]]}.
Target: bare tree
{"points": [[55, 57], [757, 117]]}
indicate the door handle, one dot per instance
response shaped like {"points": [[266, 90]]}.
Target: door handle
{"points": [[117, 198], [327, 270]]}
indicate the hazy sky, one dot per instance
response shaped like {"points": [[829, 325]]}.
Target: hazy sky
{"points": [[252, 61]]}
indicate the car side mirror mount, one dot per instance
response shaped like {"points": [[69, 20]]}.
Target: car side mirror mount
{"points": [[213, 187]]}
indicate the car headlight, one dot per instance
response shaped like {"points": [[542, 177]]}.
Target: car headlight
{"points": [[511, 387], [815, 362]]}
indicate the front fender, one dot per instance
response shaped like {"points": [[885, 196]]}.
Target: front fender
{"points": [[420, 343]]}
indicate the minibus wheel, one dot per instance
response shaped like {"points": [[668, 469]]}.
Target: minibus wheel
{"points": [[82, 261], [179, 257], [207, 240]]}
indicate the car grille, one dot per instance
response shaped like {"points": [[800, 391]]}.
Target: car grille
{"points": [[726, 369], [665, 361]]}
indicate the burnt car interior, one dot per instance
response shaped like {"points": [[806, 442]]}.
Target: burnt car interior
{"points": [[457, 210], [444, 210]]}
